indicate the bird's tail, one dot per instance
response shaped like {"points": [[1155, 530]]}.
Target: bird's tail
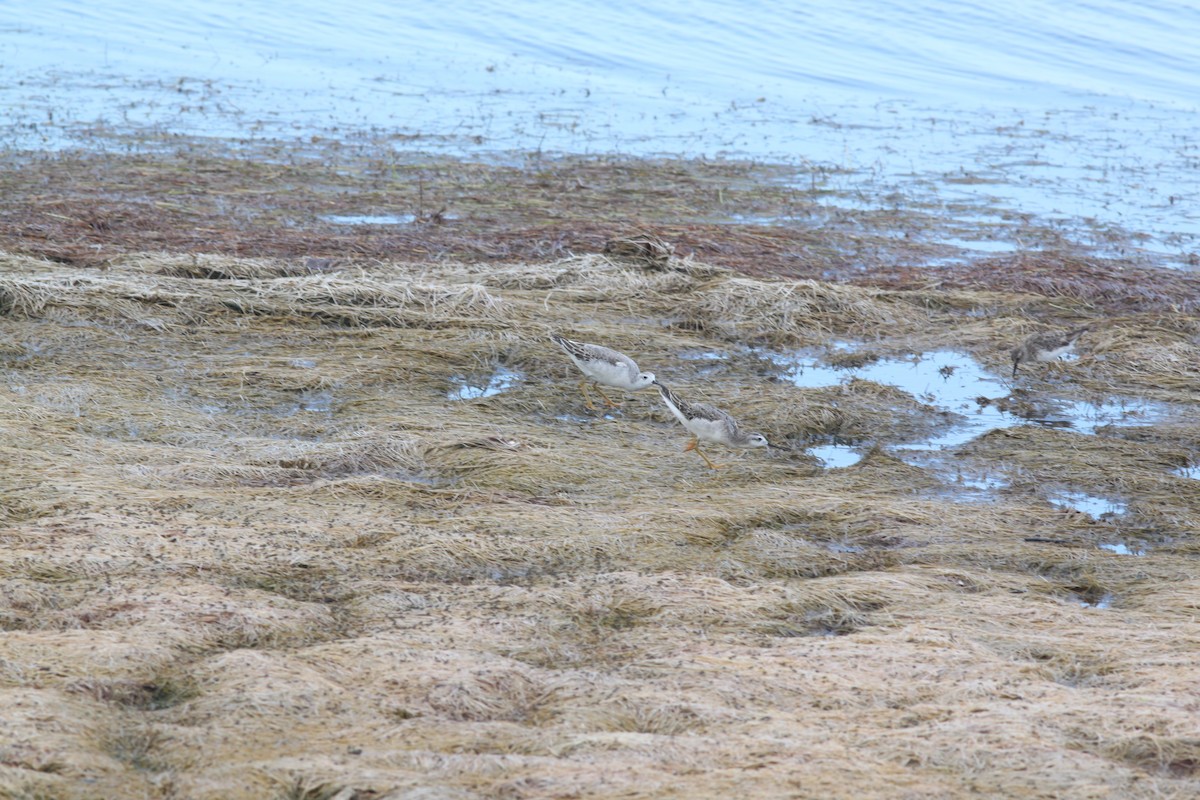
{"points": [[674, 400]]}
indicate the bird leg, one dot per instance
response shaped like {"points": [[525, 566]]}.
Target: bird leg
{"points": [[587, 398], [694, 444], [607, 400]]}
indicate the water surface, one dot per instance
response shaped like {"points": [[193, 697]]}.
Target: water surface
{"points": [[1080, 113]]}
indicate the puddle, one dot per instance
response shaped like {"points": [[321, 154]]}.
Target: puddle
{"points": [[703, 355], [1093, 506], [501, 380], [975, 486], [1088, 417], [981, 484], [369, 219], [811, 374], [1192, 472], [949, 380], [981, 246], [955, 382], [1122, 549], [707, 361], [1103, 601], [833, 456]]}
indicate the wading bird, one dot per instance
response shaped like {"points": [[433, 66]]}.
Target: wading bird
{"points": [[605, 366], [708, 424], [1045, 346]]}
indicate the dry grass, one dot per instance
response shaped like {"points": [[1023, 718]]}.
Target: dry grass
{"points": [[267, 533]]}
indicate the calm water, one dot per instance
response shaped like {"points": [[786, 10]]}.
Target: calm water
{"points": [[1072, 110]]}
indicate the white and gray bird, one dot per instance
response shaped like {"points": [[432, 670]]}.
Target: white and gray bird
{"points": [[606, 366], [709, 424], [1045, 346]]}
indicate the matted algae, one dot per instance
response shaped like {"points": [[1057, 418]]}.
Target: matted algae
{"points": [[257, 541]]}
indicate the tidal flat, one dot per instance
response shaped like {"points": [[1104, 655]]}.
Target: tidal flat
{"points": [[299, 501]]}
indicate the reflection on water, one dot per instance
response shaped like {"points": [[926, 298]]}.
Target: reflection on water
{"points": [[948, 380], [971, 485], [1085, 113], [833, 456], [703, 355], [1123, 549], [501, 380], [954, 382], [1102, 601], [1192, 472], [368, 219], [1093, 506]]}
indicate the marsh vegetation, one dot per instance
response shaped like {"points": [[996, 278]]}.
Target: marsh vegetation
{"points": [[291, 511]]}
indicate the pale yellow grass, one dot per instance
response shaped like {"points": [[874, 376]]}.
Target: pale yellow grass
{"points": [[256, 546]]}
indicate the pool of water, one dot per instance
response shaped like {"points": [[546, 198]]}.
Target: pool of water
{"points": [[1192, 472], [499, 381], [833, 456], [1102, 601], [1084, 115], [1093, 506], [956, 382], [1124, 549], [370, 219]]}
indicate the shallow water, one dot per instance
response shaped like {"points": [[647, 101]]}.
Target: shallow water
{"points": [[955, 382], [501, 380], [1192, 472], [1102, 602], [368, 219], [1083, 116], [1123, 549], [1093, 506], [833, 456]]}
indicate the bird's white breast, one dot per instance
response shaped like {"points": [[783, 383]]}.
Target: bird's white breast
{"points": [[1050, 355]]}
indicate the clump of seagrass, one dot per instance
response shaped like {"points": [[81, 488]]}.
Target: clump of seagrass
{"points": [[215, 267], [646, 248], [782, 313]]}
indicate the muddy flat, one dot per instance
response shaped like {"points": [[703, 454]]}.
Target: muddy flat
{"points": [[300, 501]]}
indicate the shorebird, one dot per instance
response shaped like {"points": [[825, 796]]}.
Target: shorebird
{"points": [[606, 366], [709, 424], [1045, 346]]}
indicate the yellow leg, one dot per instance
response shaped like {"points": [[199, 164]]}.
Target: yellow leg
{"points": [[587, 398], [607, 400], [694, 444]]}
